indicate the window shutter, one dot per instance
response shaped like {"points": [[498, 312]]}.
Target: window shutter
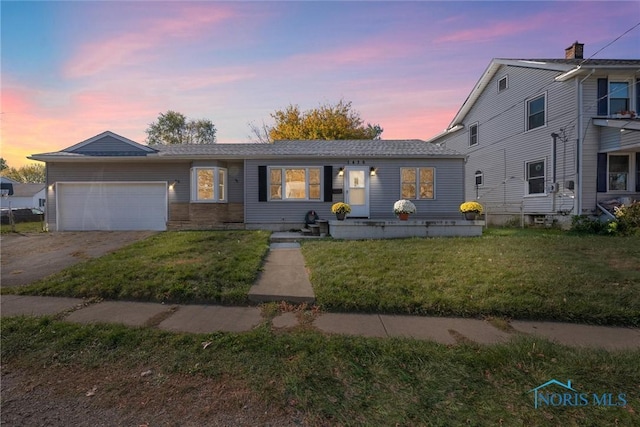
{"points": [[602, 173], [262, 183], [603, 101], [328, 183]]}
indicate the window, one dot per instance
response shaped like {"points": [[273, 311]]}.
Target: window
{"points": [[535, 177], [618, 172], [417, 183], [618, 97], [502, 84], [479, 178], [294, 183], [209, 184], [473, 134], [41, 203], [536, 112]]}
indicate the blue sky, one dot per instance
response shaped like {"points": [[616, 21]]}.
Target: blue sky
{"points": [[71, 70]]}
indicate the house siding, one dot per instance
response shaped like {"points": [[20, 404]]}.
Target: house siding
{"points": [[384, 191], [109, 144], [505, 146]]}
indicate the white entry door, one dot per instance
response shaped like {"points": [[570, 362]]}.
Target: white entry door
{"points": [[357, 191]]}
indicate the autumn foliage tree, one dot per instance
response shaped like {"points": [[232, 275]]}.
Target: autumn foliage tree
{"points": [[339, 121], [173, 127]]}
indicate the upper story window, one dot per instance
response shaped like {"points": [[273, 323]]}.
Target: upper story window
{"points": [[536, 108], [209, 184], [294, 183], [535, 177], [473, 134], [503, 84], [417, 183], [618, 97]]}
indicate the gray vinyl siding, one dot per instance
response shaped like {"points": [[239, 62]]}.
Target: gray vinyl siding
{"points": [[384, 190], [611, 139], [505, 146], [109, 144], [121, 171]]}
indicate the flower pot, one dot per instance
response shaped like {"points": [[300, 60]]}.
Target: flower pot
{"points": [[340, 216], [470, 216], [403, 216]]}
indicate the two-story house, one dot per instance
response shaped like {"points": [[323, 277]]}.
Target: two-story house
{"points": [[547, 139]]}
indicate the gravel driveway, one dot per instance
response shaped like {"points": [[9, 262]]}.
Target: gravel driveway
{"points": [[29, 257]]}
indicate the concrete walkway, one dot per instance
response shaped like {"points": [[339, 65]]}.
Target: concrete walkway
{"points": [[285, 278], [213, 318]]}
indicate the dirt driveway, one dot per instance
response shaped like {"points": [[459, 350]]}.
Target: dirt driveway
{"points": [[29, 257]]}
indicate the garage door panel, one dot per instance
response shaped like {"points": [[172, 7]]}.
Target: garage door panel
{"points": [[112, 206]]}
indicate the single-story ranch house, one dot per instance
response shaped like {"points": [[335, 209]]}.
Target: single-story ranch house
{"points": [[109, 182]]}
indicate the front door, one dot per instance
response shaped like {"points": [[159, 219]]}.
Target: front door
{"points": [[357, 191]]}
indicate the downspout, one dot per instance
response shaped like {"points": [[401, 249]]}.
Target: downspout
{"points": [[554, 162], [579, 144]]}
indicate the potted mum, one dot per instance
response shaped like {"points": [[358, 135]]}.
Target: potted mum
{"points": [[403, 208], [471, 210], [340, 209]]}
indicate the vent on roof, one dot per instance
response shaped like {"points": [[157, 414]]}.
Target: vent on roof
{"points": [[575, 51]]}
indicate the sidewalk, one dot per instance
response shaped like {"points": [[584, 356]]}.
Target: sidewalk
{"points": [[285, 278], [213, 318]]}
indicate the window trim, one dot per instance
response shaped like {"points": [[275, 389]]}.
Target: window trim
{"points": [[216, 184], [476, 175], [417, 182], [283, 184], [527, 103], [544, 177], [475, 126], [504, 78]]}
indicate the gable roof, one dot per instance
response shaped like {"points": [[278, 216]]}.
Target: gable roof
{"points": [[26, 190], [115, 145], [406, 148], [567, 68]]}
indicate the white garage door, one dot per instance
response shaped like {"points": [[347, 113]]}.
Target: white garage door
{"points": [[111, 206]]}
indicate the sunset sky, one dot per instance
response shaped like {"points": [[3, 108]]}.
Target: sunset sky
{"points": [[71, 70]]}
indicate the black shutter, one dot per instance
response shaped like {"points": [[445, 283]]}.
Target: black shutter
{"points": [[262, 183], [328, 183], [603, 101], [602, 173]]}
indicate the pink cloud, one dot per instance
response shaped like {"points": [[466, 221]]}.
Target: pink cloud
{"points": [[492, 31], [141, 44]]}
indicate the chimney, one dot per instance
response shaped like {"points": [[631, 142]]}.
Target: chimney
{"points": [[575, 51]]}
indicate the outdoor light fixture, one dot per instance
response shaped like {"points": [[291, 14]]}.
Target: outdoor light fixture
{"points": [[341, 172], [372, 171], [173, 184]]}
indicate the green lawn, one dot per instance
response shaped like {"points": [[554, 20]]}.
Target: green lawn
{"points": [[186, 266], [530, 274], [339, 380], [23, 227]]}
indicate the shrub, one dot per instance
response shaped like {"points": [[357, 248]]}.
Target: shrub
{"points": [[627, 219], [585, 224]]}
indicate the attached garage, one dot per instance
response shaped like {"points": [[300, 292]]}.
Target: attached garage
{"points": [[111, 206]]}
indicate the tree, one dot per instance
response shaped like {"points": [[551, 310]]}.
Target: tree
{"points": [[172, 127], [30, 173], [328, 121], [3, 164]]}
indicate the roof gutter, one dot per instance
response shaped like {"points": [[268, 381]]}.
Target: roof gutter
{"points": [[569, 74]]}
